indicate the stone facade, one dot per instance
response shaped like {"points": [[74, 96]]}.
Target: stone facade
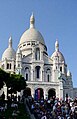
{"points": [[45, 76]]}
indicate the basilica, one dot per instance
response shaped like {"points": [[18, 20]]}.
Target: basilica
{"points": [[45, 76]]}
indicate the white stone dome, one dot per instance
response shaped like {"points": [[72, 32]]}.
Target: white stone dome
{"points": [[57, 53], [9, 53], [31, 34]]}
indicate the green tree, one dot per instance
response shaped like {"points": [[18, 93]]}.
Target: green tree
{"points": [[18, 82], [3, 77], [15, 83]]}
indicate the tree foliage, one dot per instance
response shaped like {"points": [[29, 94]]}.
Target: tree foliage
{"points": [[17, 82], [3, 77], [13, 81]]}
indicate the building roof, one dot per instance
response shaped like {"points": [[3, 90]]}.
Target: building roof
{"points": [[31, 34], [57, 53], [9, 53]]}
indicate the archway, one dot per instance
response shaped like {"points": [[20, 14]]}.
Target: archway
{"points": [[27, 92], [39, 94], [51, 93]]}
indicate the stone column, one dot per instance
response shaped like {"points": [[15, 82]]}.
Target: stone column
{"points": [[5, 64], [45, 94], [32, 74], [61, 89], [41, 55], [5, 91], [33, 54], [13, 65], [32, 92], [41, 74]]}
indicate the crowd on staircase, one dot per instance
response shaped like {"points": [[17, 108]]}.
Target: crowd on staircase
{"points": [[53, 108]]}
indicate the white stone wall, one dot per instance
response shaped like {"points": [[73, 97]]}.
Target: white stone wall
{"points": [[49, 66]]}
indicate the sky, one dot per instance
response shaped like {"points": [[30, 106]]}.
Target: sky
{"points": [[55, 19]]}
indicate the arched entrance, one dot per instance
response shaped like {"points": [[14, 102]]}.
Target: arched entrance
{"points": [[51, 93], [27, 92], [39, 94]]}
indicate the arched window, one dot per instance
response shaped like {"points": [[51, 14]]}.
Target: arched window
{"points": [[61, 69], [37, 54], [18, 65], [37, 71], [26, 76], [48, 74], [10, 65], [7, 66], [14, 67], [27, 73], [48, 77]]}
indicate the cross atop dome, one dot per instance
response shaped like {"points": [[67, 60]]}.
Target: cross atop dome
{"points": [[56, 45], [32, 21]]}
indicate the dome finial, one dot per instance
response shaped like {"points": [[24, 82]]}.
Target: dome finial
{"points": [[10, 41], [57, 45], [32, 21]]}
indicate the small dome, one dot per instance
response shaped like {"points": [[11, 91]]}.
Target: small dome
{"points": [[9, 53], [57, 53], [31, 34]]}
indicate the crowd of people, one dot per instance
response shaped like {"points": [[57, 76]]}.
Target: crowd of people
{"points": [[53, 108]]}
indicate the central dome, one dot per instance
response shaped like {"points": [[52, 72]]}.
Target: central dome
{"points": [[31, 34]]}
